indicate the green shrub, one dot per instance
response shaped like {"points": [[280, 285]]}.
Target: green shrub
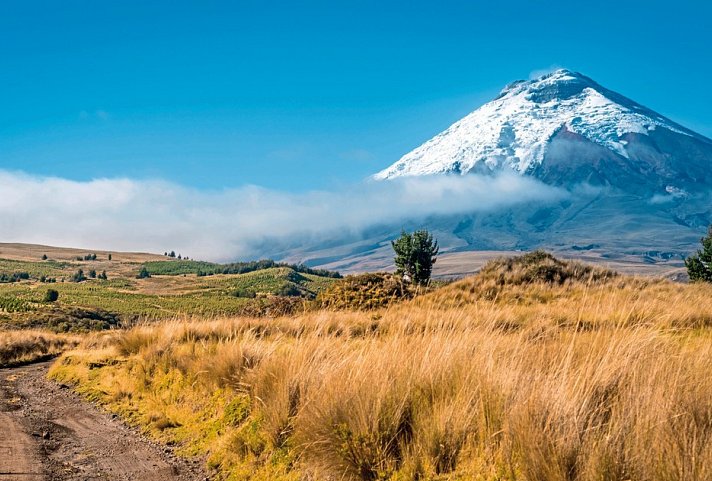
{"points": [[78, 276], [246, 293], [51, 295], [69, 319], [14, 277], [143, 273]]}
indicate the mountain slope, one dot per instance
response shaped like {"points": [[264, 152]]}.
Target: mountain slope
{"points": [[638, 184], [565, 128]]}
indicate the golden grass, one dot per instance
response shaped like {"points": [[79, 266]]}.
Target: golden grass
{"points": [[579, 380], [23, 347]]}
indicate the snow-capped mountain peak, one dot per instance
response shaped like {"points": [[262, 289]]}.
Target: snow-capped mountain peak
{"points": [[515, 130]]}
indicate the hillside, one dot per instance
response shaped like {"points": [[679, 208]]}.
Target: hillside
{"points": [[174, 288], [536, 369]]}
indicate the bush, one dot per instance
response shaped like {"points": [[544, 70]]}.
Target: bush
{"points": [[289, 290], [78, 276], [14, 277], [69, 319], [246, 293], [364, 292], [51, 295], [143, 273]]}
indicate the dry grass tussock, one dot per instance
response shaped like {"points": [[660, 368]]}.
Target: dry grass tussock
{"points": [[365, 292], [22, 347], [589, 378]]}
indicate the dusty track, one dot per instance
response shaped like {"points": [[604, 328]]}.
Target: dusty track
{"points": [[47, 433]]}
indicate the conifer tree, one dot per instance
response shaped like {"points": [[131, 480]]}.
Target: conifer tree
{"points": [[699, 266], [415, 255]]}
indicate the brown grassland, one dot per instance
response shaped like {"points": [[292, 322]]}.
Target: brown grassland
{"points": [[26, 346], [535, 370]]}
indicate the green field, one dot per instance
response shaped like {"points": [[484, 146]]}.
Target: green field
{"points": [[202, 268], [179, 290], [34, 269]]}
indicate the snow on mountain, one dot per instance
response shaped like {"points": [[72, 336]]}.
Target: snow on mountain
{"points": [[640, 185], [515, 130]]}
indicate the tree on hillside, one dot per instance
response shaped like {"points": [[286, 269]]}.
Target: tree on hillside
{"points": [[143, 273], [415, 255], [79, 276], [51, 295], [699, 266]]}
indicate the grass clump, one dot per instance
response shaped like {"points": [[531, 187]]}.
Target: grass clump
{"points": [[23, 347], [365, 292], [542, 267]]}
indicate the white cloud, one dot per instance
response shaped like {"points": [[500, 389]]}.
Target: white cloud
{"points": [[126, 214]]}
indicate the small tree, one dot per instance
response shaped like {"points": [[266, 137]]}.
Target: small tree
{"points": [[51, 295], [415, 255], [44, 257], [79, 276], [92, 274], [143, 273], [109, 256], [699, 266]]}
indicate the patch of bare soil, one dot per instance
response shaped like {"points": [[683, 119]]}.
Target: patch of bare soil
{"points": [[48, 433]]}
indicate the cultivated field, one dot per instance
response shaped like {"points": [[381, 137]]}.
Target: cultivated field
{"points": [[173, 288]]}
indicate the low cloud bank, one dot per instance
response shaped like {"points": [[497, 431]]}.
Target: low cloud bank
{"points": [[154, 216]]}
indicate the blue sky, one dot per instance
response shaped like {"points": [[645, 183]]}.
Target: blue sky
{"points": [[308, 95]]}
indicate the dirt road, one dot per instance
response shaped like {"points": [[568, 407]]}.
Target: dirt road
{"points": [[47, 433]]}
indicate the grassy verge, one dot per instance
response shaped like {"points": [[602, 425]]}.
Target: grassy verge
{"points": [[24, 347], [506, 376]]}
